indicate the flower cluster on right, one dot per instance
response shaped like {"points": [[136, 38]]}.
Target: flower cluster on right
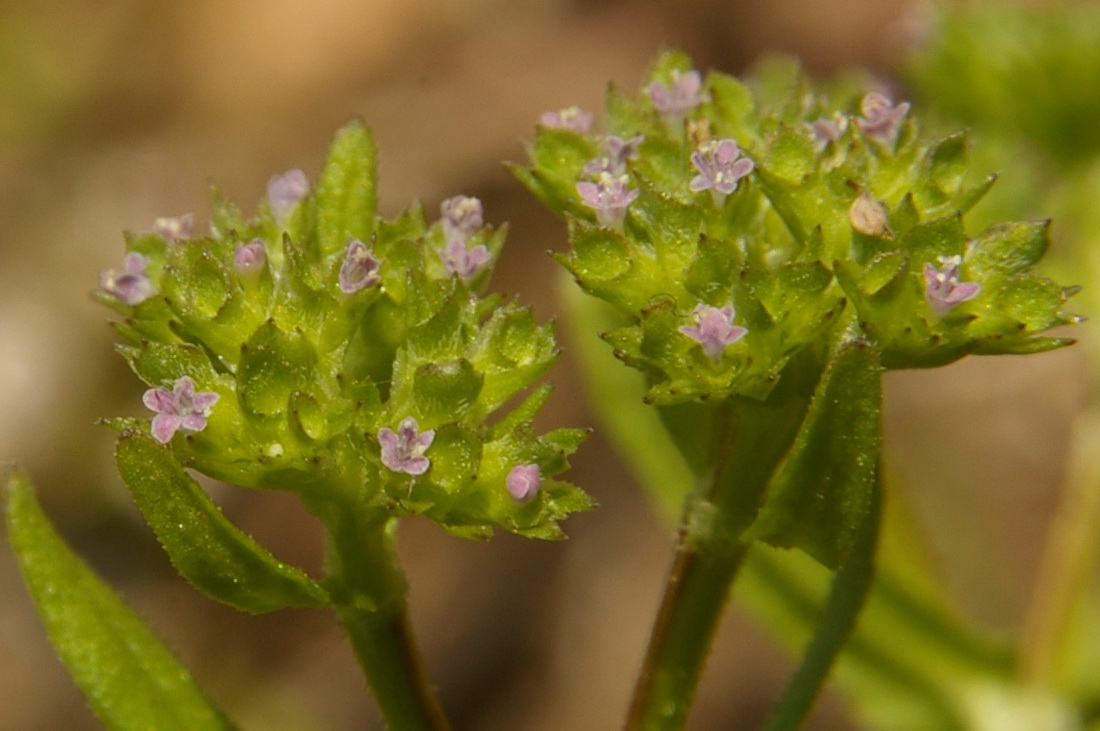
{"points": [[735, 225]]}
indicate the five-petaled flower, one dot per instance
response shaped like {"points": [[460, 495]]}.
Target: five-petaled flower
{"points": [[675, 101], [827, 131], [720, 167], [942, 287], [462, 262], [403, 450], [881, 117], [609, 196], [462, 217], [249, 259], [173, 229], [360, 268], [523, 482], [617, 152], [182, 407], [285, 191], [132, 285], [714, 330], [573, 119]]}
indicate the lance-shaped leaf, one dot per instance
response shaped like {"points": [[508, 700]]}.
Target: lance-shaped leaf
{"points": [[204, 546], [819, 496], [131, 680]]}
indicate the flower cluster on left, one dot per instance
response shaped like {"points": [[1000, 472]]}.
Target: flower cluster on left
{"points": [[318, 348]]}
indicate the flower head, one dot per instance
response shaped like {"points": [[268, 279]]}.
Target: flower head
{"points": [[523, 482], [463, 262], [881, 117], [617, 152], [609, 196], [181, 408], [573, 119], [249, 259], [285, 191], [360, 268], [720, 167], [462, 217], [942, 287], [403, 450], [173, 229], [132, 285], [675, 101], [714, 330]]}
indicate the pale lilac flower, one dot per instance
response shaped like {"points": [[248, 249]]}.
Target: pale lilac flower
{"points": [[132, 285], [360, 268], [403, 451], [573, 119], [181, 408], [881, 117], [462, 217], [617, 152], [463, 262], [173, 229], [827, 131], [720, 167], [285, 191], [249, 259], [675, 101], [523, 482], [942, 287], [714, 330], [609, 196]]}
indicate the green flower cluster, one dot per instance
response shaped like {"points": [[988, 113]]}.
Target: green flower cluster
{"points": [[737, 227], [320, 349]]}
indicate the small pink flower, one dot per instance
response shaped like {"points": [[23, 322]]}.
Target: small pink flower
{"points": [[285, 191], [617, 153], [942, 288], [403, 450], [675, 101], [573, 119], [181, 408], [714, 330], [609, 196], [249, 259], [462, 262], [173, 229], [720, 167], [827, 131], [881, 117], [523, 482], [462, 217], [132, 285], [360, 268]]}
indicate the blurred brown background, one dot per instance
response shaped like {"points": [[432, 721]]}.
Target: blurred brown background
{"points": [[115, 112]]}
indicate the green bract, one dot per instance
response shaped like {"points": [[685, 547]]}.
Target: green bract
{"points": [[320, 326], [846, 215]]}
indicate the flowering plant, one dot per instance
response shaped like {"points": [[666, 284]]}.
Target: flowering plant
{"points": [[758, 254]]}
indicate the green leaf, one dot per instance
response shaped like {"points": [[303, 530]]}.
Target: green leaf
{"points": [[346, 200], [204, 546], [131, 680], [822, 491], [1009, 249]]}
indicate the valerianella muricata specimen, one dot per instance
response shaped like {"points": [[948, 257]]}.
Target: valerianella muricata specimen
{"points": [[798, 215], [317, 346]]}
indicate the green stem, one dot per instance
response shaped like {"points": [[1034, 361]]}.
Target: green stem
{"points": [[370, 591], [846, 598], [750, 439]]}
